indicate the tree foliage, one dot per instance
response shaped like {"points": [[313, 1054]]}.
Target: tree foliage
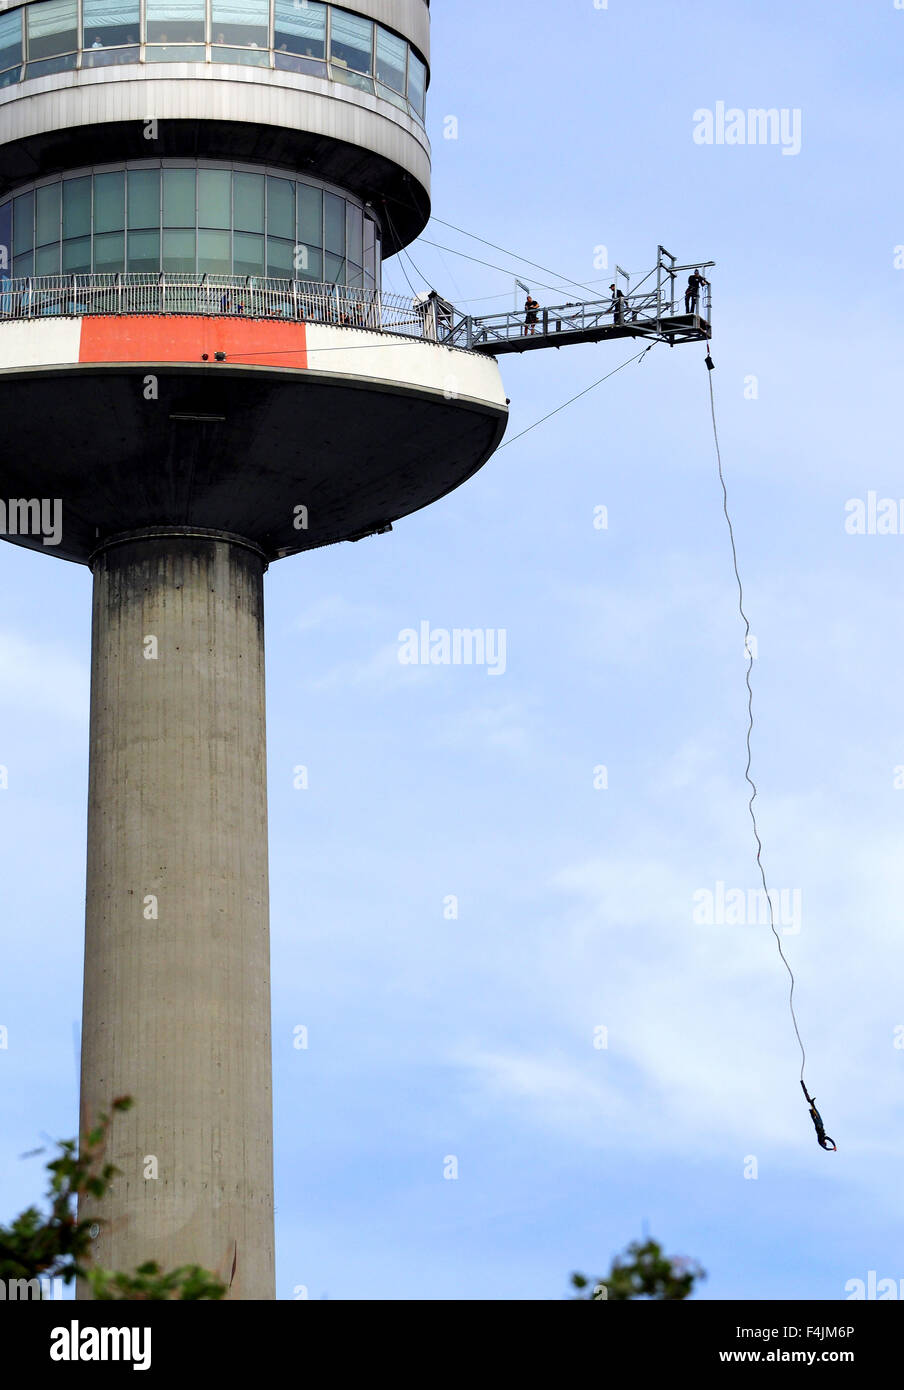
{"points": [[56, 1244], [643, 1272]]}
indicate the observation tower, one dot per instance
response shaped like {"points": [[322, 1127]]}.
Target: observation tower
{"points": [[200, 374]]}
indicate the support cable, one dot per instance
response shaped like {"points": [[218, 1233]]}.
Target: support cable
{"points": [[559, 408]]}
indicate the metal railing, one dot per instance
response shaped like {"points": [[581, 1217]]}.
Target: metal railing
{"points": [[658, 310], [639, 312], [256, 297]]}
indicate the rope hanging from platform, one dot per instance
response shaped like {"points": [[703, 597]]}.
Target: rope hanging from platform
{"points": [[821, 1135]]}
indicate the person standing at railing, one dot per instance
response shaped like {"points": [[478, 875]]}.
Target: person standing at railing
{"points": [[530, 315], [692, 293], [618, 305]]}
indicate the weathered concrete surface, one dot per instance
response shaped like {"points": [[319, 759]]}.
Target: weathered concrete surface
{"points": [[177, 1005]]}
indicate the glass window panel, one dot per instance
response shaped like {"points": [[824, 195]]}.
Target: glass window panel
{"points": [[110, 252], [244, 23], [177, 53], [10, 38], [109, 202], [333, 269], [389, 95], [49, 65], [179, 197], [144, 251], [370, 251], [9, 77], [288, 62], [215, 198], [175, 21], [23, 223], [417, 83], [214, 253], [301, 29], [144, 197], [280, 258], [47, 215], [24, 265], [52, 28], [351, 41], [354, 228], [179, 252], [351, 79], [77, 207], [355, 276], [77, 256], [280, 208], [6, 239], [392, 53], [108, 23], [309, 263], [110, 57], [248, 254], [249, 202], [334, 223], [310, 215], [250, 57], [47, 260]]}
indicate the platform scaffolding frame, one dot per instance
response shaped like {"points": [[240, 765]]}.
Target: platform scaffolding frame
{"points": [[653, 314]]}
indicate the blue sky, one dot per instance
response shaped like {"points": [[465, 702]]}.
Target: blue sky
{"points": [[474, 1037]]}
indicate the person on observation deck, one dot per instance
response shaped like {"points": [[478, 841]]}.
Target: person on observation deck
{"points": [[530, 315]]}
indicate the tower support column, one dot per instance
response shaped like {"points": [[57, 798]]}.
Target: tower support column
{"points": [[177, 978]]}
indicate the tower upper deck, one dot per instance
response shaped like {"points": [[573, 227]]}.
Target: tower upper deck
{"points": [[336, 92]]}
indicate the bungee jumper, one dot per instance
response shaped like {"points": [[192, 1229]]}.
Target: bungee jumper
{"points": [[824, 1139]]}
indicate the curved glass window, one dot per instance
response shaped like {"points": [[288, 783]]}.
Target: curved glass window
{"points": [[215, 198], [299, 37], [417, 85], [52, 37], [143, 192], [178, 219], [392, 67], [111, 32], [306, 36], [52, 28], [241, 23], [351, 49], [77, 208], [176, 21], [10, 47]]}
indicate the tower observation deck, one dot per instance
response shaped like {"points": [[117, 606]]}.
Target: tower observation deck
{"points": [[197, 363]]}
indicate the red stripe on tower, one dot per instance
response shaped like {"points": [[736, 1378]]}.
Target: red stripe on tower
{"points": [[162, 338]]}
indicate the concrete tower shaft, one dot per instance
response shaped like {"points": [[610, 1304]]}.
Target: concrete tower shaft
{"points": [[177, 978]]}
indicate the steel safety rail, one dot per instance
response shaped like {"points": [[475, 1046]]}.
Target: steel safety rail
{"points": [[642, 312], [138, 292]]}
